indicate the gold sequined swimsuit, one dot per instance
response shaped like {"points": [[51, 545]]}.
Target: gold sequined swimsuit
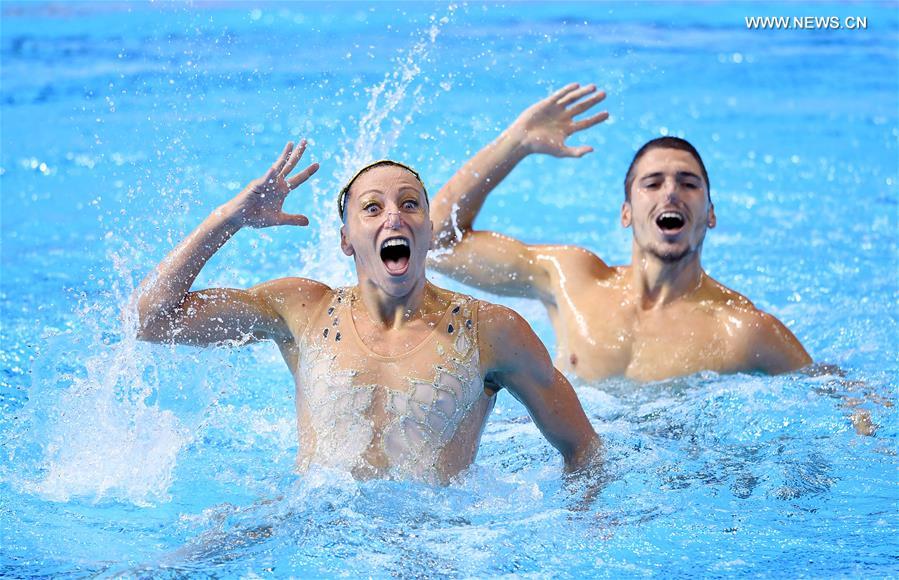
{"points": [[415, 415]]}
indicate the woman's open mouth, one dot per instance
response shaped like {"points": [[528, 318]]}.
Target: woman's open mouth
{"points": [[395, 253], [671, 222]]}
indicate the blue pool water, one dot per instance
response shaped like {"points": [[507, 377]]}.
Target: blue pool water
{"points": [[123, 125]]}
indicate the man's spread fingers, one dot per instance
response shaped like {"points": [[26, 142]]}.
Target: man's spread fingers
{"points": [[587, 103], [578, 151], [575, 95], [563, 91], [590, 121]]}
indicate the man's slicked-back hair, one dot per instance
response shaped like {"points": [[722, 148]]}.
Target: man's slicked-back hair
{"points": [[664, 143], [345, 192]]}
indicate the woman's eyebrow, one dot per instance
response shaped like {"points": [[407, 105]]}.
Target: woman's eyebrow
{"points": [[371, 191]]}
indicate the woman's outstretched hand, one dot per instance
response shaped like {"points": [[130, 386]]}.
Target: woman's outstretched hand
{"points": [[260, 204], [544, 126]]}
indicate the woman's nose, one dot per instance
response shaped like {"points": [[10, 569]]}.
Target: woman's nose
{"points": [[394, 220]]}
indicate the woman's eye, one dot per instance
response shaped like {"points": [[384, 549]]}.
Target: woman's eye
{"points": [[410, 204], [371, 208]]}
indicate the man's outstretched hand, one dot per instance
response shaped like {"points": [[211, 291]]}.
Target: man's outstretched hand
{"points": [[544, 126]]}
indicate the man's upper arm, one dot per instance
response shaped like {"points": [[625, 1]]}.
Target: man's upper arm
{"points": [[515, 358], [502, 265], [495, 263], [771, 347], [215, 315]]}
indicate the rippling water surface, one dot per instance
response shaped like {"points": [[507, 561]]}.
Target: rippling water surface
{"points": [[124, 124]]}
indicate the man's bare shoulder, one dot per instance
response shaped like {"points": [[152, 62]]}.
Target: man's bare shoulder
{"points": [[758, 339], [744, 321], [572, 262], [725, 299], [757, 325]]}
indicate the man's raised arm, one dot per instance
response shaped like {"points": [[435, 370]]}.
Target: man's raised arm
{"points": [[488, 260], [169, 312], [514, 358]]}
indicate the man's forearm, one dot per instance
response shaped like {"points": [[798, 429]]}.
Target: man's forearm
{"points": [[170, 282], [458, 203], [541, 128]]}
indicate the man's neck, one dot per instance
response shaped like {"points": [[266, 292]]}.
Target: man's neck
{"points": [[657, 283]]}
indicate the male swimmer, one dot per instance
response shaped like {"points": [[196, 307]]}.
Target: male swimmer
{"points": [[661, 316], [394, 376]]}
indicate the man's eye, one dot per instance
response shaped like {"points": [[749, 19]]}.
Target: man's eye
{"points": [[689, 185], [652, 185]]}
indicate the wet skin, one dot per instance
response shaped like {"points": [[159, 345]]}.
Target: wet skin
{"points": [[660, 316], [393, 310]]}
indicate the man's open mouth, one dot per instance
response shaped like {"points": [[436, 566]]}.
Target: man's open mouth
{"points": [[395, 254], [671, 222]]}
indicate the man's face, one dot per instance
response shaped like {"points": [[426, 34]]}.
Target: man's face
{"points": [[388, 229], [669, 207]]}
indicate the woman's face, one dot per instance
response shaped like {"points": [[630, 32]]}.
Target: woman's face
{"points": [[388, 229]]}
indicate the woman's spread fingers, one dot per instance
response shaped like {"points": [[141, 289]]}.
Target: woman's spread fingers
{"points": [[302, 176]]}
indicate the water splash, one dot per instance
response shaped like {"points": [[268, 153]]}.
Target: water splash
{"points": [[126, 450], [93, 427], [392, 106]]}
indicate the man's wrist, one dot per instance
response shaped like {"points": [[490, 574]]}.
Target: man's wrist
{"points": [[225, 220], [514, 143]]}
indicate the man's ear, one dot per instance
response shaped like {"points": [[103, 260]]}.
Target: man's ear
{"points": [[626, 214], [712, 219], [345, 243]]}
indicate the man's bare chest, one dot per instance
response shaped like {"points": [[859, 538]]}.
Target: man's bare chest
{"points": [[608, 335]]}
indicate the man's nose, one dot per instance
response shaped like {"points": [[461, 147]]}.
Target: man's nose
{"points": [[672, 189], [394, 220]]}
